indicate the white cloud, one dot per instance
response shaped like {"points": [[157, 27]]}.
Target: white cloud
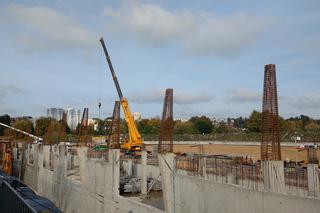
{"points": [[157, 96], [243, 95], [6, 90], [199, 32], [44, 29], [309, 101]]}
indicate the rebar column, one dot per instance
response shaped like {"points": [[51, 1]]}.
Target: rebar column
{"points": [[166, 126], [84, 127], [270, 143], [114, 134]]}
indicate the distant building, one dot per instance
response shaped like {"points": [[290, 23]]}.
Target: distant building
{"points": [[230, 123], [55, 113], [94, 122], [79, 115], [73, 118], [182, 119]]}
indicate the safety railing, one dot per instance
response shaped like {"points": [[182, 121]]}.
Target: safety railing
{"points": [[296, 180], [93, 152], [11, 201], [221, 169], [151, 160], [245, 173]]}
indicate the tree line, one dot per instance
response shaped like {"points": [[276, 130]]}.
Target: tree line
{"points": [[197, 125]]}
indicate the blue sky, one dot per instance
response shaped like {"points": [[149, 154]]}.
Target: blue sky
{"points": [[211, 52]]}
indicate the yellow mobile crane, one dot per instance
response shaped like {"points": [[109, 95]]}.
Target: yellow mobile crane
{"points": [[134, 142]]}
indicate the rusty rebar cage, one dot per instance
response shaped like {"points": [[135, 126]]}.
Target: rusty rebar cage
{"points": [[63, 127], [270, 143], [166, 126], [114, 134], [84, 127]]}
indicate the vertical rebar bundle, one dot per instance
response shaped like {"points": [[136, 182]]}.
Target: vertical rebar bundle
{"points": [[84, 127], [166, 126], [51, 134], [270, 144], [312, 155], [114, 135], [63, 127]]}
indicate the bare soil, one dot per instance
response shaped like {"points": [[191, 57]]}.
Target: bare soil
{"points": [[240, 150]]}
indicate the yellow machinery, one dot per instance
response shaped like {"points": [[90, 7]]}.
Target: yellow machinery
{"points": [[7, 149], [134, 142], [7, 159]]}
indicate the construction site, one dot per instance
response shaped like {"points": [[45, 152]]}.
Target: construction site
{"points": [[127, 174]]}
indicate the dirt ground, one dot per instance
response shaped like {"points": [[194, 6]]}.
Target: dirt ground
{"points": [[240, 150]]}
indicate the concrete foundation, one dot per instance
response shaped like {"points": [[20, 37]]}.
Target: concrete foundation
{"points": [[167, 169], [96, 191], [193, 194], [313, 180], [273, 176], [144, 183], [95, 188]]}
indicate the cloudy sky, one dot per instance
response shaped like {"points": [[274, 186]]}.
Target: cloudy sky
{"points": [[212, 52]]}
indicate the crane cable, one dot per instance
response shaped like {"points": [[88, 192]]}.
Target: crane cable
{"points": [[99, 92]]}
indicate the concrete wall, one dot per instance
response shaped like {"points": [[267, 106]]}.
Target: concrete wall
{"points": [[192, 194], [152, 171], [30, 173], [96, 190]]}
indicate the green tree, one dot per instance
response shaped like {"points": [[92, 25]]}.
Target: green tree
{"points": [[5, 119], [240, 122], [222, 128], [54, 131], [312, 126], [254, 123], [141, 125], [101, 127], [292, 125], [91, 130], [305, 121], [153, 126], [24, 125], [187, 127], [123, 127], [203, 124], [42, 124], [149, 126]]}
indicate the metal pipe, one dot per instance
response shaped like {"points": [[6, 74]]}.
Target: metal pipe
{"points": [[23, 132]]}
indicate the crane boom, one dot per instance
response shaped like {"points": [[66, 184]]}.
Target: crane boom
{"points": [[135, 142], [115, 80], [23, 132]]}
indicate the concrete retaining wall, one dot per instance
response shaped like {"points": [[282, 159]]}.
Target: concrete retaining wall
{"points": [[152, 171], [192, 194], [96, 190]]}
